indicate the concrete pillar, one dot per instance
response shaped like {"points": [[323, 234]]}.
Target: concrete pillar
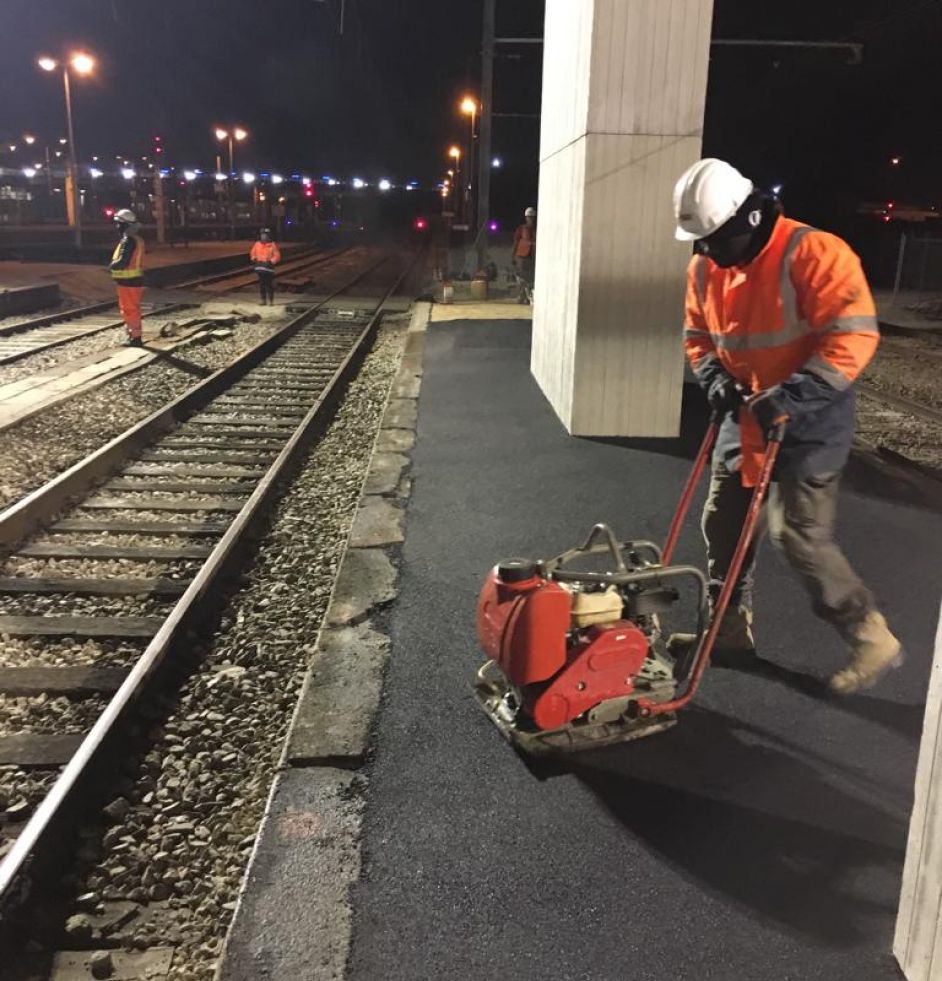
{"points": [[918, 942], [624, 83]]}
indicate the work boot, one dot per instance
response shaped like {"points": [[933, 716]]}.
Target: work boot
{"points": [[134, 342], [733, 638], [873, 651]]}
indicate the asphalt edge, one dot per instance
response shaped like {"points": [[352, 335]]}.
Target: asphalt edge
{"points": [[293, 916]]}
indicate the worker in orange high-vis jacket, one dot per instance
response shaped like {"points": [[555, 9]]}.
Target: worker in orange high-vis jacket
{"points": [[264, 256], [127, 271], [779, 323]]}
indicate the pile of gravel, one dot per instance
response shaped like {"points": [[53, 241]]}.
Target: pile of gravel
{"points": [[177, 839]]}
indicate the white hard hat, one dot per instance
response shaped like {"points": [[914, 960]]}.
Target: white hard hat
{"points": [[530, 213], [707, 195], [126, 215]]}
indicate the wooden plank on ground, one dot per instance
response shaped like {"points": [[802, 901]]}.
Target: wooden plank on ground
{"points": [[137, 553], [178, 486], [84, 680], [55, 626], [141, 527], [168, 456], [210, 443], [199, 470], [162, 504], [214, 432], [39, 751], [94, 587]]}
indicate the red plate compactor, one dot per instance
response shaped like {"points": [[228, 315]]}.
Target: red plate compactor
{"points": [[576, 659]]}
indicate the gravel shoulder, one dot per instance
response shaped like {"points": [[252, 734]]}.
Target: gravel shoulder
{"points": [[42, 446], [909, 367], [176, 842]]}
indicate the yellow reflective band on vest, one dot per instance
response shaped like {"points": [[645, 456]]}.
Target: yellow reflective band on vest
{"points": [[135, 268]]}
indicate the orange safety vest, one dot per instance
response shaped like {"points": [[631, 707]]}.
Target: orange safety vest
{"points": [[524, 241], [802, 305], [135, 268], [265, 253]]}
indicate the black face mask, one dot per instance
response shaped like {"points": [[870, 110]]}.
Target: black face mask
{"points": [[742, 238], [122, 227]]}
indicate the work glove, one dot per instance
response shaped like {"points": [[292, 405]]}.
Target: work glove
{"points": [[724, 394], [770, 407]]}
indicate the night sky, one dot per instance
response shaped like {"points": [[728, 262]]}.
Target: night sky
{"points": [[380, 101]]}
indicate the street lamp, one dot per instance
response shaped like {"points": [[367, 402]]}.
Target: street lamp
{"points": [[82, 64], [469, 106], [232, 135], [455, 153]]}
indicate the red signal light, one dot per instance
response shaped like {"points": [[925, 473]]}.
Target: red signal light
{"points": [[309, 192], [420, 224]]}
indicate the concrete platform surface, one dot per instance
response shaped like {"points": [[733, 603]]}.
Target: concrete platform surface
{"points": [[762, 838]]}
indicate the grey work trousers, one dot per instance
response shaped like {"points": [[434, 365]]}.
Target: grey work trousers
{"points": [[799, 516]]}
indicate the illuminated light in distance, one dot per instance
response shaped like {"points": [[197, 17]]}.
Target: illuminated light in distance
{"points": [[331, 182], [248, 177], [420, 224], [497, 163], [384, 185], [189, 175], [222, 134], [358, 183], [309, 192], [127, 173], [307, 181], [95, 172], [896, 161], [220, 177], [165, 172], [776, 189], [109, 212], [239, 133], [12, 147], [29, 140], [47, 64], [29, 171], [277, 179], [493, 226], [83, 63]]}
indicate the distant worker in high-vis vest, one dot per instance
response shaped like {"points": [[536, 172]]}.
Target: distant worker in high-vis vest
{"points": [[779, 323], [265, 255], [127, 271]]}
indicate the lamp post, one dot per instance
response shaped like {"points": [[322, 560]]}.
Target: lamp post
{"points": [[82, 64], [455, 153], [469, 106], [231, 135]]}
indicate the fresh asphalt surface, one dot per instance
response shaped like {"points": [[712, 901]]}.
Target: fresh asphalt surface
{"points": [[762, 838]]}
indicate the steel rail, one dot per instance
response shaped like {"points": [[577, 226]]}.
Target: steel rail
{"points": [[48, 319], [26, 515], [311, 258], [927, 413], [97, 329], [188, 605]]}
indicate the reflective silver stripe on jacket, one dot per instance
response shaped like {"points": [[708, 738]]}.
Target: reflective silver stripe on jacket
{"points": [[816, 365], [700, 279], [856, 324]]}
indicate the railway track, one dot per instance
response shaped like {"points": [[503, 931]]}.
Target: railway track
{"points": [[136, 537], [38, 334], [244, 277], [27, 337]]}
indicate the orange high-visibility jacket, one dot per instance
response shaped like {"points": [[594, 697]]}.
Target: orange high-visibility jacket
{"points": [[800, 314], [265, 255]]}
